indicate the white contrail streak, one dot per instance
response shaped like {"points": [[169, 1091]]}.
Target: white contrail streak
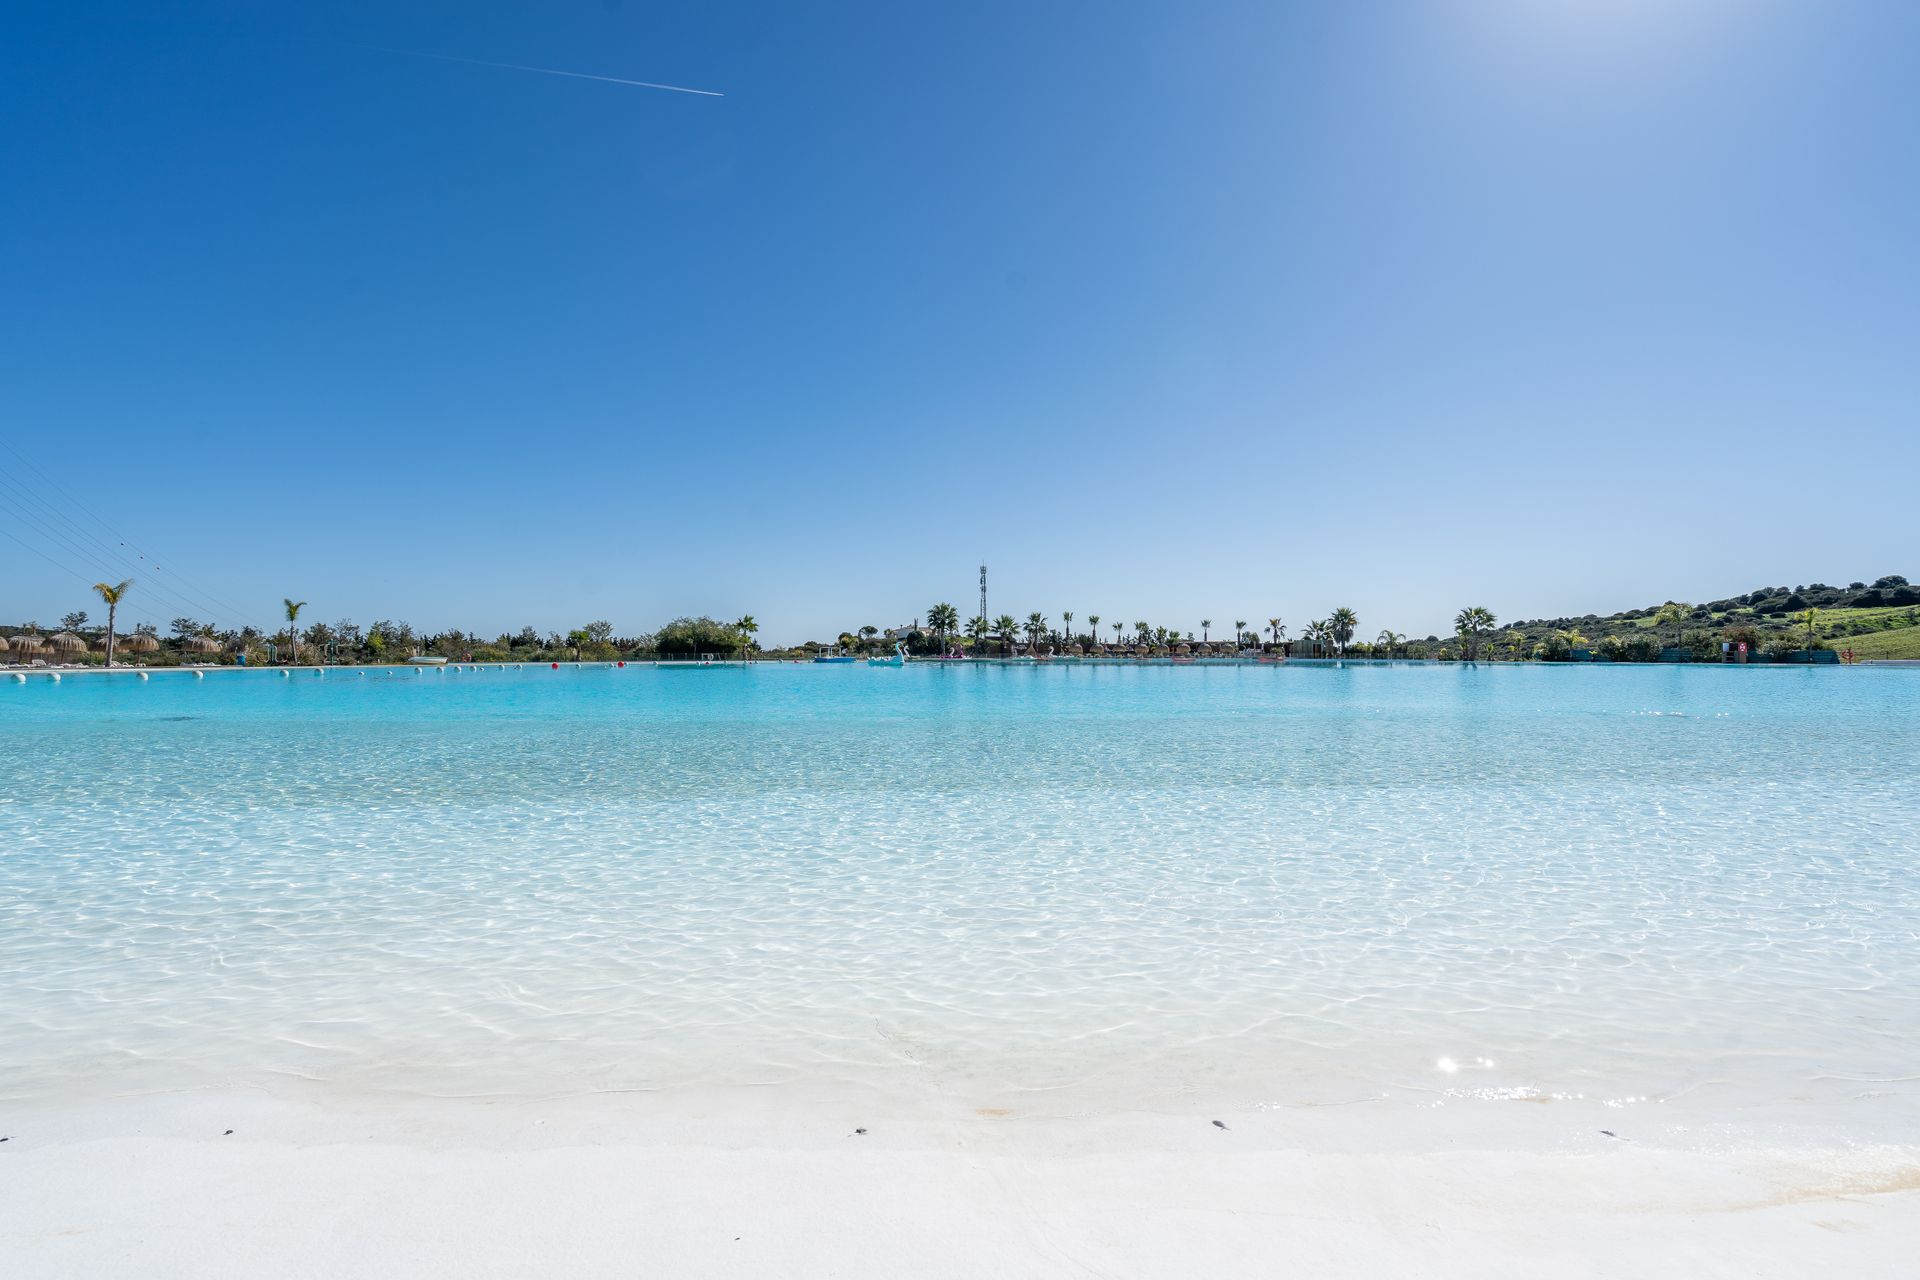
{"points": [[549, 71]]}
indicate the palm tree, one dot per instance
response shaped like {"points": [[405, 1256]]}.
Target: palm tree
{"points": [[1515, 638], [977, 629], [1036, 627], [1093, 630], [1342, 622], [293, 636], [748, 626], [1276, 627], [1206, 630], [1007, 628], [1318, 633], [1805, 616], [1141, 629], [1390, 641], [1066, 627], [1471, 624], [112, 595], [1117, 628], [943, 618], [1239, 632]]}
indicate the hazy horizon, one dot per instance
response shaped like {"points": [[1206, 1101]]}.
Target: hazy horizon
{"points": [[1557, 309]]}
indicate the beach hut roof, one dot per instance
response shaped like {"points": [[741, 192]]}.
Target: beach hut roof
{"points": [[142, 643], [67, 642]]}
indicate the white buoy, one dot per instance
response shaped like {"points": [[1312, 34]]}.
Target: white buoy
{"points": [[19, 677], [199, 675], [143, 675], [284, 673]]}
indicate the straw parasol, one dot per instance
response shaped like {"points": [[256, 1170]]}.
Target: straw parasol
{"points": [[201, 644], [4, 646], [27, 645], [142, 643], [66, 642]]}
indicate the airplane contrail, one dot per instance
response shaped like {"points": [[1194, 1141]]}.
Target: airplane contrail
{"points": [[550, 71]]}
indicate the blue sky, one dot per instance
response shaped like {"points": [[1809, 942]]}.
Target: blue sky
{"points": [[1163, 311]]}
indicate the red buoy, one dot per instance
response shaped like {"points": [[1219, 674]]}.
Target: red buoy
{"points": [[556, 666], [623, 666]]}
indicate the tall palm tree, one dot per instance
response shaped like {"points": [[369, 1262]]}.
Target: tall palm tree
{"points": [[1141, 629], [1093, 629], [1276, 627], [1342, 622], [748, 626], [1807, 617], [1206, 630], [943, 618], [1390, 641], [978, 628], [1117, 628], [1515, 638], [1036, 627], [1319, 632], [112, 595], [293, 635], [1472, 624], [1066, 627], [1239, 632], [1007, 629]]}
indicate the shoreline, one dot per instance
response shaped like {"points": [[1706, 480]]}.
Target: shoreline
{"points": [[619, 1186]]}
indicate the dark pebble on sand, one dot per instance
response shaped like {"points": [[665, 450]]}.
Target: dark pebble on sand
{"points": [[859, 1131], [228, 1133], [1220, 1124]]}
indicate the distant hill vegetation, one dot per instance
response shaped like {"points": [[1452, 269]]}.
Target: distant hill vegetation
{"points": [[1880, 619]]}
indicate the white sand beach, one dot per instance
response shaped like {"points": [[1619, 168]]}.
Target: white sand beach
{"points": [[626, 1186]]}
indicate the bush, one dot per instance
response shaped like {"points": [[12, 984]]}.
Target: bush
{"points": [[690, 636]]}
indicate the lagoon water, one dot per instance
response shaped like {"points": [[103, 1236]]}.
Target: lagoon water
{"points": [[1691, 895]]}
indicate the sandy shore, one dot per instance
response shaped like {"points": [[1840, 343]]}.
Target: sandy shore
{"points": [[156, 1186]]}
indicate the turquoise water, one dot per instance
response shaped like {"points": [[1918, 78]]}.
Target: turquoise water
{"points": [[1691, 889]]}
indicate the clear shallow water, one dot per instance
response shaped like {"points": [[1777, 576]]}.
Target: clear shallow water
{"points": [[1081, 888]]}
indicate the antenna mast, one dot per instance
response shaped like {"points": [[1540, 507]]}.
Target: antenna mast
{"points": [[983, 591]]}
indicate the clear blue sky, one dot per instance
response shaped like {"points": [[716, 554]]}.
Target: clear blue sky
{"points": [[1164, 311]]}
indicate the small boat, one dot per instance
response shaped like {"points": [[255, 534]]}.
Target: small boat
{"points": [[840, 659], [426, 662], [897, 659]]}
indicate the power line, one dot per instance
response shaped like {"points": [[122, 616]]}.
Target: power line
{"points": [[210, 601], [105, 567]]}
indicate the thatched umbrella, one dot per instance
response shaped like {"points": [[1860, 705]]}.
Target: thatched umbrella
{"points": [[1183, 647], [28, 645], [66, 642], [4, 646], [201, 644], [142, 643]]}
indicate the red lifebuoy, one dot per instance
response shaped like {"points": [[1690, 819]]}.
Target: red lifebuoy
{"points": [[623, 666], [556, 666]]}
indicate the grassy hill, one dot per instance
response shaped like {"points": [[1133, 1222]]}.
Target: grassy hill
{"points": [[1876, 620]]}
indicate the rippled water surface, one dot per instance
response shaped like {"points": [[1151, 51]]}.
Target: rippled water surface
{"points": [[1108, 886]]}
